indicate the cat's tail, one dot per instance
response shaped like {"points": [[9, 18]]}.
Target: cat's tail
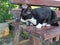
{"points": [[55, 24], [54, 20]]}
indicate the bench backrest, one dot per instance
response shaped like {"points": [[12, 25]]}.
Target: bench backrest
{"points": [[55, 3], [38, 2], [48, 31]]}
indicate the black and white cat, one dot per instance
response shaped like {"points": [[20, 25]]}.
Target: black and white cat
{"points": [[39, 17]]}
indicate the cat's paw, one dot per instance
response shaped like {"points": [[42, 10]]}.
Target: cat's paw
{"points": [[44, 24], [39, 26], [48, 25]]}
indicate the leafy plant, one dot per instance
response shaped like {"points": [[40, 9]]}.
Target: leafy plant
{"points": [[5, 6], [25, 35]]}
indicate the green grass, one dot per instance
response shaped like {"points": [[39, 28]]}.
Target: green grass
{"points": [[33, 7]]}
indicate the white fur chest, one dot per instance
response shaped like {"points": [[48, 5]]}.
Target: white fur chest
{"points": [[32, 20]]}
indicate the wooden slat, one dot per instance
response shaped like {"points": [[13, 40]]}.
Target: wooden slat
{"points": [[18, 1], [57, 38], [23, 42], [46, 32], [45, 2], [38, 2], [51, 40], [36, 41]]}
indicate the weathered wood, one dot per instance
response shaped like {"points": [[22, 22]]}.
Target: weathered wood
{"points": [[16, 33], [23, 42], [16, 26], [17, 12], [43, 36], [36, 41], [51, 40], [38, 2], [57, 38], [45, 32]]}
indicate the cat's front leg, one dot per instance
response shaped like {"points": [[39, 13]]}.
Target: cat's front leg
{"points": [[39, 25], [29, 23], [45, 24], [22, 20], [48, 25]]}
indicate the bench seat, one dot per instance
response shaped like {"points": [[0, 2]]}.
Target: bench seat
{"points": [[45, 32]]}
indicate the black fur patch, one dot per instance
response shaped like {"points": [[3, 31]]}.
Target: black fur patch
{"points": [[42, 15]]}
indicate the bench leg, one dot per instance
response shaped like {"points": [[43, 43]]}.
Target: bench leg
{"points": [[46, 42], [57, 38], [51, 40], [35, 41]]}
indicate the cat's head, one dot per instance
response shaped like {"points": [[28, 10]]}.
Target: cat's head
{"points": [[26, 16]]}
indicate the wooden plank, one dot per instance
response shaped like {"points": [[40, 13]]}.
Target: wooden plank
{"points": [[36, 41], [57, 38], [16, 33], [46, 32], [38, 2], [51, 40], [18, 1], [23, 42], [48, 2]]}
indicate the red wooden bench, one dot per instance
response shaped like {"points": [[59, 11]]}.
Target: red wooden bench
{"points": [[38, 2], [43, 34], [46, 34]]}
